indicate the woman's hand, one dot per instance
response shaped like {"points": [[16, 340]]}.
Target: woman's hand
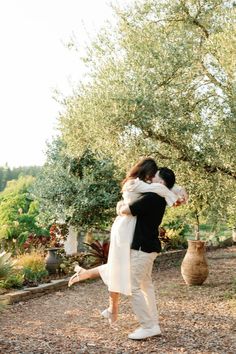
{"points": [[122, 208], [118, 206]]}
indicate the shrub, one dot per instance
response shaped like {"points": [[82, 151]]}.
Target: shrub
{"points": [[33, 260], [14, 281], [18, 212], [33, 267]]}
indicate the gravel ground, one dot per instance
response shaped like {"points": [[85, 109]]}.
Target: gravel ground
{"points": [[193, 319]]}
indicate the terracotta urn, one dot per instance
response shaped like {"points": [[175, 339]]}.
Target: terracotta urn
{"points": [[194, 268]]}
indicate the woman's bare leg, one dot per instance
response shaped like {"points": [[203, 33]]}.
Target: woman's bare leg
{"points": [[84, 274], [113, 306]]}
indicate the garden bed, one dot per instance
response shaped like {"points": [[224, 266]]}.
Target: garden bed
{"points": [[194, 320], [164, 260]]}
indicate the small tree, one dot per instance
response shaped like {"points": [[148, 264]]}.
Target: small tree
{"points": [[81, 191]]}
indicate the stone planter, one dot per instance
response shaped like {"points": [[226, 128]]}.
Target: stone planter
{"points": [[194, 268]]}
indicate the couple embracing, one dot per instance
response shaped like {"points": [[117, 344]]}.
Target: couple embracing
{"points": [[134, 244]]}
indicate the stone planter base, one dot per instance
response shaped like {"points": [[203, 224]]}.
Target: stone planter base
{"points": [[163, 261], [29, 293]]}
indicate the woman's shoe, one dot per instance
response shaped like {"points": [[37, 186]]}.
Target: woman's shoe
{"points": [[109, 315], [106, 313], [78, 270]]}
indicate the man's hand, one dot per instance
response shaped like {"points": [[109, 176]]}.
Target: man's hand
{"points": [[178, 203], [183, 197]]}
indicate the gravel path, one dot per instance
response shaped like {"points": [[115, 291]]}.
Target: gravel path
{"points": [[193, 319]]}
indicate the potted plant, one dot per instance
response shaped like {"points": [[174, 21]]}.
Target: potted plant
{"points": [[210, 198], [194, 268]]}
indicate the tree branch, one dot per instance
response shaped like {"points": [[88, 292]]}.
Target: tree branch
{"points": [[213, 79], [185, 156], [198, 24], [164, 139], [195, 20], [224, 170], [158, 153]]}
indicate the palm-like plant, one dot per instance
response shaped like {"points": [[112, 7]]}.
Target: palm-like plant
{"points": [[99, 251], [6, 265]]}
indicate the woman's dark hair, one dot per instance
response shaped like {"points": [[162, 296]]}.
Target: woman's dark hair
{"points": [[144, 170], [168, 176]]}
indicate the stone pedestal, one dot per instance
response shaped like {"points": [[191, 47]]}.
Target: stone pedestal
{"points": [[71, 243], [234, 234]]}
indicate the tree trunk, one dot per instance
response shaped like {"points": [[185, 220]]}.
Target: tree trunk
{"points": [[197, 227]]}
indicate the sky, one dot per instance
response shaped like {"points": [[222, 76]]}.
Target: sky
{"points": [[34, 62]]}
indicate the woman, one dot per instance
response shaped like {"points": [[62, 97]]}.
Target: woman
{"points": [[116, 273]]}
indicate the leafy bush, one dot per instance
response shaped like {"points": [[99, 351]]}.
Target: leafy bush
{"points": [[14, 281], [69, 262], [97, 255], [173, 239], [177, 228], [18, 213], [33, 260], [54, 238], [33, 241], [34, 277]]}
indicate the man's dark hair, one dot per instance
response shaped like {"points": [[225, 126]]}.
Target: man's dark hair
{"points": [[168, 176]]}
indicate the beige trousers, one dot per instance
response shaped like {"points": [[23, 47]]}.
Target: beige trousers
{"points": [[143, 293]]}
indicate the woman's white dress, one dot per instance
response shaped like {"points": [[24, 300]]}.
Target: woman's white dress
{"points": [[116, 272]]}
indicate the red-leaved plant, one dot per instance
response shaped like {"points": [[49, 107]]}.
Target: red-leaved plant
{"points": [[99, 251]]}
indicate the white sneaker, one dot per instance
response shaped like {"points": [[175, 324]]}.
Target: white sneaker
{"points": [[142, 333]]}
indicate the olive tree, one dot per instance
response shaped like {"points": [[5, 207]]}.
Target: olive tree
{"points": [[162, 83]]}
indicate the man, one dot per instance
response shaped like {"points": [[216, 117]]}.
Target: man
{"points": [[149, 210]]}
